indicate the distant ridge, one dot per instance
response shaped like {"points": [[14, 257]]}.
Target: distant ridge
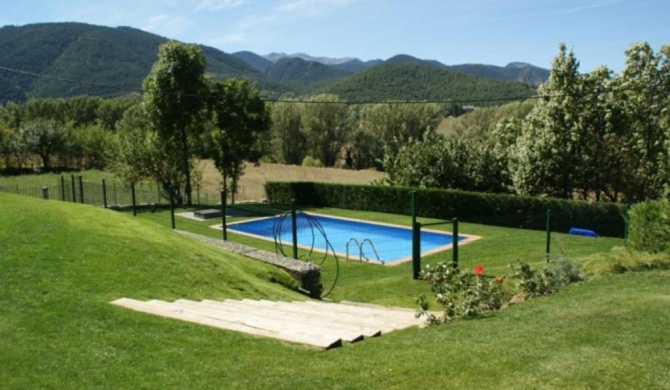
{"points": [[121, 57]]}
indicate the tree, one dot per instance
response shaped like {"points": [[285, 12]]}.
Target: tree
{"points": [[642, 92], [42, 137], [432, 162], [110, 111], [326, 127], [288, 139], [174, 100], [240, 118], [548, 155], [363, 150], [139, 154], [395, 124]]}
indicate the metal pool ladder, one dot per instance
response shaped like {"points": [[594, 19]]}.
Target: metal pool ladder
{"points": [[360, 245]]}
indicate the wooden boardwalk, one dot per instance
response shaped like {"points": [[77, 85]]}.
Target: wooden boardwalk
{"points": [[319, 324]]}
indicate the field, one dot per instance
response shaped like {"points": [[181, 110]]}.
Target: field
{"points": [[251, 183], [62, 263]]}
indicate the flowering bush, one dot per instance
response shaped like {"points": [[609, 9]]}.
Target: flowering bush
{"points": [[460, 293]]}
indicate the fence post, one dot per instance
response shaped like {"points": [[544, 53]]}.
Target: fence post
{"points": [[548, 256], [132, 197], [81, 189], [74, 191], [62, 188], [294, 229], [45, 193], [104, 194], [626, 211], [454, 247], [172, 221], [416, 250], [413, 207], [223, 215]]}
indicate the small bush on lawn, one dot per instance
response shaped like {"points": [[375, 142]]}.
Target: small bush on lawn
{"points": [[549, 280], [462, 294]]}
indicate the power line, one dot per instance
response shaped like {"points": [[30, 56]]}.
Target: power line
{"points": [[71, 81], [309, 101]]}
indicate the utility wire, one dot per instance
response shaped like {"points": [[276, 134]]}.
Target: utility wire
{"points": [[71, 81], [306, 101]]}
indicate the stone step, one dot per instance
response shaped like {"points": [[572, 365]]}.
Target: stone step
{"points": [[402, 318], [383, 325], [319, 324], [302, 315], [276, 322], [169, 310]]}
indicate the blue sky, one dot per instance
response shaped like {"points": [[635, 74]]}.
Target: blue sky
{"points": [[453, 32]]}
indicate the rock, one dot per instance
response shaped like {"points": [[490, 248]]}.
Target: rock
{"points": [[518, 298]]}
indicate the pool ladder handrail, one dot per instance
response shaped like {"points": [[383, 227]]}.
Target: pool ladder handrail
{"points": [[360, 249]]}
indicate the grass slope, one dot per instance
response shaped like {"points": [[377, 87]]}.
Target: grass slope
{"points": [[62, 263]]}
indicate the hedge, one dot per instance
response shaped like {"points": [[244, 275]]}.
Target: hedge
{"points": [[606, 219], [650, 227]]}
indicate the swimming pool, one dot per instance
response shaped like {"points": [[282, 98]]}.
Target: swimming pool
{"points": [[389, 244]]}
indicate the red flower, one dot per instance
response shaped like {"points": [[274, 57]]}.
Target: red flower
{"points": [[479, 270]]}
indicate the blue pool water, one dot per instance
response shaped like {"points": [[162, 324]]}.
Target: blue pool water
{"points": [[392, 243]]}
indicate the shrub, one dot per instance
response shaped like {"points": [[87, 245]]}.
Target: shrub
{"points": [[309, 161], [649, 227], [461, 294], [620, 260], [552, 277]]}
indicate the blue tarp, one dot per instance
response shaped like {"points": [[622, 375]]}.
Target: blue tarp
{"points": [[583, 232]]}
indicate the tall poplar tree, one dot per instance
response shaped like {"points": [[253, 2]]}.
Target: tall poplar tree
{"points": [[174, 99], [547, 156], [240, 118], [643, 91]]}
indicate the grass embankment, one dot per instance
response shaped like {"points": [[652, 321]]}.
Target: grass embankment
{"points": [[61, 265]]}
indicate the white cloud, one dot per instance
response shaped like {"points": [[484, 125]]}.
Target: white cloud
{"points": [[311, 7], [218, 5], [228, 39], [255, 21], [166, 24], [590, 6]]}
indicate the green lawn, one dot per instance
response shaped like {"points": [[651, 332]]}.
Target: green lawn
{"points": [[62, 263], [497, 248]]}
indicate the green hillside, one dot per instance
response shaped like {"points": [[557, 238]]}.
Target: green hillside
{"points": [[254, 60], [110, 62], [118, 57], [297, 69], [416, 81], [515, 71]]}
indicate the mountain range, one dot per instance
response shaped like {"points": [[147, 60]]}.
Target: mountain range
{"points": [[69, 59]]}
